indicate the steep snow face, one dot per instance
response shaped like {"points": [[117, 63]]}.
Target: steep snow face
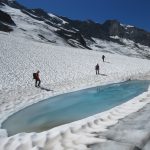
{"points": [[31, 28], [126, 26], [37, 25], [59, 19]]}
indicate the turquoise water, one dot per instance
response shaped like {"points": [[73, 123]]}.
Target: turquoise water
{"points": [[73, 106]]}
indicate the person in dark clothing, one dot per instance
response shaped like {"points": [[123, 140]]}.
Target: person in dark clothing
{"points": [[103, 58], [37, 79], [97, 69]]}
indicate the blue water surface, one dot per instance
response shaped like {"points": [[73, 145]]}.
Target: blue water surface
{"points": [[73, 106]]}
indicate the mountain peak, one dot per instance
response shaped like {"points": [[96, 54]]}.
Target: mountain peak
{"points": [[111, 22], [6, 1], [74, 32]]}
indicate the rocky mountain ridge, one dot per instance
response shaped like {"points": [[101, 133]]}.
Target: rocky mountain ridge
{"points": [[82, 34]]}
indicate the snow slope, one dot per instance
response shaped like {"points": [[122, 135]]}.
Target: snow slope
{"points": [[63, 69], [31, 28], [129, 48]]}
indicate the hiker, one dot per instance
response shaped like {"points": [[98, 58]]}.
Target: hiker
{"points": [[97, 69], [37, 79], [103, 57]]}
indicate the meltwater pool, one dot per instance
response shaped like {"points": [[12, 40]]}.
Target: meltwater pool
{"points": [[73, 106]]}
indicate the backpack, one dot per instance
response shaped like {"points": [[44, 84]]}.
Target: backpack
{"points": [[34, 75]]}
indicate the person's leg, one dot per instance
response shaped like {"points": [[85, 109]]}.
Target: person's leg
{"points": [[39, 83], [35, 83], [98, 71]]}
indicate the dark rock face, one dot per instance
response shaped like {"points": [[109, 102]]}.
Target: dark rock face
{"points": [[4, 17], [5, 22], [67, 35], [110, 28], [5, 28], [87, 28], [44, 15], [113, 28], [139, 36]]}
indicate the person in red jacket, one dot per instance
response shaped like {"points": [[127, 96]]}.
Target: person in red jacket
{"points": [[37, 79]]}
